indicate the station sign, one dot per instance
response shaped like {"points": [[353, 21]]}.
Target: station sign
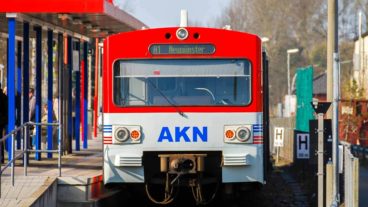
{"points": [[278, 137], [302, 146], [182, 49]]}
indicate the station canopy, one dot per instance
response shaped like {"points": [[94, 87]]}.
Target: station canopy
{"points": [[88, 18]]}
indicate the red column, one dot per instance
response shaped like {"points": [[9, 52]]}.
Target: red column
{"points": [[95, 100], [82, 96]]}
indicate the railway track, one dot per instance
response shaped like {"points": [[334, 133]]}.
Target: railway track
{"points": [[281, 190]]}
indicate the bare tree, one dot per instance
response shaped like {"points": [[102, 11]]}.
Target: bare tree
{"points": [[290, 24]]}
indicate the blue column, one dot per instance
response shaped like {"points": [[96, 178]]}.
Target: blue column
{"points": [[25, 72], [49, 90], [38, 89], [85, 96], [19, 88], [70, 102], [26, 75], [77, 103], [11, 80]]}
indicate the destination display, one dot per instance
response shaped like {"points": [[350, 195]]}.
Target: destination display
{"points": [[182, 49]]}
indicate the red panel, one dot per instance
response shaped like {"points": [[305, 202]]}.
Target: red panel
{"points": [[229, 44], [52, 6]]}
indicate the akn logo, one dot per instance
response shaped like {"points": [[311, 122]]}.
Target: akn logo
{"points": [[181, 134]]}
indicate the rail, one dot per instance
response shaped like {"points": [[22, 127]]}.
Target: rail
{"points": [[25, 151]]}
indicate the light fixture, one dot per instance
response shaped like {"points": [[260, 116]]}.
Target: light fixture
{"points": [[229, 134], [135, 134], [182, 33], [95, 29], [121, 134], [265, 39], [105, 31], [77, 20], [88, 25], [64, 17], [243, 134], [290, 51]]}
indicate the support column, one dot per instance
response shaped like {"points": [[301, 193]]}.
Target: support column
{"points": [[61, 86], [38, 89], [60, 68], [65, 96], [25, 94], [69, 92], [11, 78], [95, 101], [77, 99], [85, 96], [50, 111], [19, 89]]}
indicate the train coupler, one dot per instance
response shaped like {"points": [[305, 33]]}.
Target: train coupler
{"points": [[182, 163]]}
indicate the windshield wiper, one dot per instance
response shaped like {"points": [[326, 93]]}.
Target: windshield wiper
{"points": [[167, 99]]}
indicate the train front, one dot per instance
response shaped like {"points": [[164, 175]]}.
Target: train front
{"points": [[182, 107]]}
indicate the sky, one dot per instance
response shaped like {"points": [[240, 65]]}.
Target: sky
{"points": [[166, 13]]}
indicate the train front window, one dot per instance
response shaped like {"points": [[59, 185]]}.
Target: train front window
{"points": [[225, 82]]}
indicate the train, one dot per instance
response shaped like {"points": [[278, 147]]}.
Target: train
{"points": [[185, 107]]}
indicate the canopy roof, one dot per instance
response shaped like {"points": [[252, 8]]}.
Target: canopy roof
{"points": [[90, 18]]}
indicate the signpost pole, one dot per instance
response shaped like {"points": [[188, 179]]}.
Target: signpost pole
{"points": [[320, 160], [320, 108]]}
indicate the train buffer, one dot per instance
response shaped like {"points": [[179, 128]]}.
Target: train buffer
{"points": [[81, 180]]}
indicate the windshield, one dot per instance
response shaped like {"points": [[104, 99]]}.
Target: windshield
{"points": [[182, 82]]}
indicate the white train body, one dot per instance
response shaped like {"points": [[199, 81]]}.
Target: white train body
{"points": [[171, 132]]}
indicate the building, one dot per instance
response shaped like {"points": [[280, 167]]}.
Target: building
{"points": [[320, 87], [360, 61]]}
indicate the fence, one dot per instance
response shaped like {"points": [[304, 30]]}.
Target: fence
{"points": [[351, 177]]}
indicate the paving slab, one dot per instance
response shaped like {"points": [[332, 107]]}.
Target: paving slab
{"points": [[79, 165]]}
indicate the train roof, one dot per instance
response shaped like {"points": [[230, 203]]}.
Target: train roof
{"points": [[190, 29]]}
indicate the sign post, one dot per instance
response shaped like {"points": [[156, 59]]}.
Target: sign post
{"points": [[320, 109], [278, 140]]}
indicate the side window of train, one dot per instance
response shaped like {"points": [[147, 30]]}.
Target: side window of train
{"points": [[117, 86]]}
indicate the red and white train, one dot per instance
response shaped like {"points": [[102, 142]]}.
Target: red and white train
{"points": [[184, 106]]}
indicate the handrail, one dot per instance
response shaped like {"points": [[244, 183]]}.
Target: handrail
{"points": [[25, 150], [14, 131]]}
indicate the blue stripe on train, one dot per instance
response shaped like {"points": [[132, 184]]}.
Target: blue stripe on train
{"points": [[258, 129]]}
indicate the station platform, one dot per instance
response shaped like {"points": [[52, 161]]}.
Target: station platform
{"points": [[81, 168]]}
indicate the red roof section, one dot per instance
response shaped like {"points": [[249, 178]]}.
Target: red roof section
{"points": [[53, 6], [97, 13]]}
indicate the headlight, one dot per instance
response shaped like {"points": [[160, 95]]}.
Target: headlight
{"points": [[182, 34], [121, 134], [229, 134], [135, 134], [243, 134]]}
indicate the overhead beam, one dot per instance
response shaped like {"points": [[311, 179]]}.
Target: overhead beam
{"points": [[46, 25]]}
